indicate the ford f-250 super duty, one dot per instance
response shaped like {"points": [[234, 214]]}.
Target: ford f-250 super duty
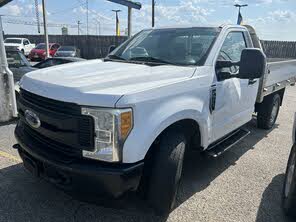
{"points": [[123, 123]]}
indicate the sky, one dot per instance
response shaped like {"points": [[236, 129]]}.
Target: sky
{"points": [[273, 19]]}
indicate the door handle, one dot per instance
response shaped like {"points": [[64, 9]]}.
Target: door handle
{"points": [[213, 95], [252, 82]]}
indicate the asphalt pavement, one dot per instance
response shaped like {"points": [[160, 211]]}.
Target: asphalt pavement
{"points": [[243, 185]]}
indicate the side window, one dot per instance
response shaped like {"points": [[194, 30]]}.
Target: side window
{"points": [[26, 42], [55, 47], [232, 47]]}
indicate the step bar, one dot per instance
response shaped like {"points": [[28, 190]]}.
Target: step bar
{"points": [[220, 147]]}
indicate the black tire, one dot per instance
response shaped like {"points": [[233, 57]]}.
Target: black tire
{"points": [[23, 52], [268, 111], [166, 170], [289, 189]]}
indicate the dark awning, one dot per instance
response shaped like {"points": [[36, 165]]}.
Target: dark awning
{"points": [[128, 3]]}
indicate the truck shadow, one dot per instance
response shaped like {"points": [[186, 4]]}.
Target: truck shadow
{"points": [[270, 207], [24, 198], [198, 174]]}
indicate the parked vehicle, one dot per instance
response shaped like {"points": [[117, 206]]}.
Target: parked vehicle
{"points": [[289, 189], [17, 63], [38, 53], [56, 61], [22, 44], [67, 51], [123, 124]]}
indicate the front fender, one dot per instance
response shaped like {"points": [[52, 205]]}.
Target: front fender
{"points": [[151, 119]]}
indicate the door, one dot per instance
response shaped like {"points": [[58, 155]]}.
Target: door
{"points": [[27, 46], [234, 98]]}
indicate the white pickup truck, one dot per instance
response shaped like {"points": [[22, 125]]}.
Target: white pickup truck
{"points": [[123, 123], [22, 44]]}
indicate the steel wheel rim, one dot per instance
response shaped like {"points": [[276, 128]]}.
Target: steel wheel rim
{"points": [[289, 176], [274, 111]]}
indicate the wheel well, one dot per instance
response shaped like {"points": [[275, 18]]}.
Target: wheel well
{"points": [[281, 93], [191, 131]]}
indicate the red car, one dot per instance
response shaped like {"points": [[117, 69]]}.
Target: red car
{"points": [[38, 53]]}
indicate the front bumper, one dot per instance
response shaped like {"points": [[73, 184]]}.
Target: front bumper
{"points": [[79, 175]]}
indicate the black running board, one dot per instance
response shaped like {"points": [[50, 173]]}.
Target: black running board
{"points": [[226, 143]]}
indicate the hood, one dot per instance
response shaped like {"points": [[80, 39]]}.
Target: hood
{"points": [[12, 44], [98, 83]]}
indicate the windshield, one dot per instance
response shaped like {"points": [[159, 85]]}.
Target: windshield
{"points": [[15, 41], [184, 46], [40, 46], [67, 48], [16, 59]]}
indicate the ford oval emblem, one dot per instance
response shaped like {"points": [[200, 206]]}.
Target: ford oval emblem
{"points": [[32, 119]]}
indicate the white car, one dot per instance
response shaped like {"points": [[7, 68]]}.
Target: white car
{"points": [[22, 44], [123, 123], [289, 190]]}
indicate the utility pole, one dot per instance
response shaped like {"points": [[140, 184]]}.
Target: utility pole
{"points": [[86, 17], [129, 22], [153, 13], [45, 29], [78, 25], [117, 21], [37, 15], [239, 16]]}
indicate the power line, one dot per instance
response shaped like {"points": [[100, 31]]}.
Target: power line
{"points": [[67, 9], [34, 23], [52, 25]]}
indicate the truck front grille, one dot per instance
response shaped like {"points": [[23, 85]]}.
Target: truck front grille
{"points": [[63, 127], [50, 104]]}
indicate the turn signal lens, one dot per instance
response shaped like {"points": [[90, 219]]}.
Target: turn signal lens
{"points": [[126, 124]]}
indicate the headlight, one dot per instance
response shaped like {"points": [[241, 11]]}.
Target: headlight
{"points": [[112, 127]]}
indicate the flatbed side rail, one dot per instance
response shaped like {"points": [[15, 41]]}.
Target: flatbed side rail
{"points": [[279, 75]]}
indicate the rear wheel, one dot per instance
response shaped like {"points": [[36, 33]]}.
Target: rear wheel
{"points": [[268, 111], [166, 170], [289, 189]]}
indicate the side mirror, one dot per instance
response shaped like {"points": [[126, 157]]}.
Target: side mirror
{"points": [[252, 64], [111, 48]]}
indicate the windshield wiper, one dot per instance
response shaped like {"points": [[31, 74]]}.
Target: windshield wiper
{"points": [[115, 57], [150, 59]]}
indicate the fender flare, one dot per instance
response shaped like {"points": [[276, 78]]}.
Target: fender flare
{"points": [[155, 131]]}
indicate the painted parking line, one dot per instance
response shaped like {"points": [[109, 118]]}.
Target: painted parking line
{"points": [[9, 156]]}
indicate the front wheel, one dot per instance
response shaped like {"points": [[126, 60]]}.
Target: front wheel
{"points": [[289, 189], [165, 174], [268, 111]]}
